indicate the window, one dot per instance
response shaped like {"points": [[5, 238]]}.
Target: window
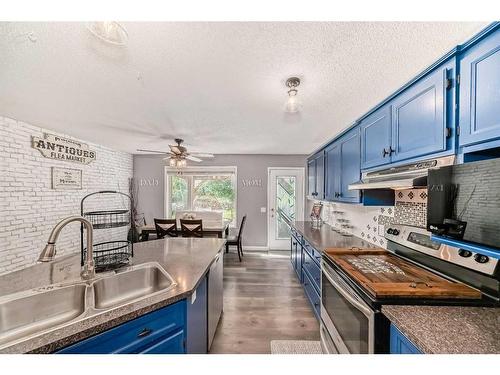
{"points": [[202, 189]]}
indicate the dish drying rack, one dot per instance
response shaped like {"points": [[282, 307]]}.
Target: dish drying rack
{"points": [[110, 254]]}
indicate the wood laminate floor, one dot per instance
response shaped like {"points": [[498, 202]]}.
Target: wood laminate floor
{"points": [[263, 301]]}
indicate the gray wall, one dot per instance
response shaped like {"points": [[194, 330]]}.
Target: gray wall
{"points": [[250, 199]]}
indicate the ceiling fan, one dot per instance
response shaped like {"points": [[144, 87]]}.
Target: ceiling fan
{"points": [[178, 154]]}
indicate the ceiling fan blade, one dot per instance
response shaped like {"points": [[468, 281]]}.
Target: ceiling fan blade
{"points": [[193, 158], [157, 152], [202, 155]]}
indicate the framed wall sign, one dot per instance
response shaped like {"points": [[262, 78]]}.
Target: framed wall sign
{"points": [[55, 147], [66, 178]]}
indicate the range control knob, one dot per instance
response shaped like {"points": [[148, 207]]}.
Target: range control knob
{"points": [[395, 232], [464, 253], [480, 258], [390, 231]]}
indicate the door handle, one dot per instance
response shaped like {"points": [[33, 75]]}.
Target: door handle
{"points": [[385, 153]]}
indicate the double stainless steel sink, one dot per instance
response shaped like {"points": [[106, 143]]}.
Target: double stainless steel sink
{"points": [[37, 311]]}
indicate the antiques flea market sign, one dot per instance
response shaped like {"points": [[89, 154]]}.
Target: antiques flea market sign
{"points": [[59, 148]]}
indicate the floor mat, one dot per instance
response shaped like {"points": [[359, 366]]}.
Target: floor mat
{"points": [[295, 347]]}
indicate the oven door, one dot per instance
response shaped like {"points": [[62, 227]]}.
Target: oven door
{"points": [[349, 321]]}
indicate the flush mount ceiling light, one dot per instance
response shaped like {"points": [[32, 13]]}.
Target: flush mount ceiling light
{"points": [[292, 104], [109, 31]]}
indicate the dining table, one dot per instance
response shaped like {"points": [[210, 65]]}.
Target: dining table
{"points": [[210, 229]]}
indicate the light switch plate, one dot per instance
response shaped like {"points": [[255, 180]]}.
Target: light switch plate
{"points": [[263, 210]]}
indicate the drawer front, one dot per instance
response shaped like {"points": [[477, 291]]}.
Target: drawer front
{"points": [[313, 270], [173, 344], [312, 295], [315, 254], [133, 336]]}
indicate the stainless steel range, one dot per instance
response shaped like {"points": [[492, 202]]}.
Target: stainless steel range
{"points": [[414, 270]]}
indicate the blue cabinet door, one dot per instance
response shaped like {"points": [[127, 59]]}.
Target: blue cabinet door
{"points": [[376, 138], [420, 116], [197, 313], [350, 168], [479, 108], [332, 170], [320, 176], [311, 178], [399, 343]]}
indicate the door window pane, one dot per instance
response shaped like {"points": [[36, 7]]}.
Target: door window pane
{"points": [[285, 205]]}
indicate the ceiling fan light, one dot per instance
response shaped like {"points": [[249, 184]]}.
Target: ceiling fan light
{"points": [[172, 162]]}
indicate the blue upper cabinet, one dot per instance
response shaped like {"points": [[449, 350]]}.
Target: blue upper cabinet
{"points": [[376, 138], [342, 167], [350, 169], [320, 176], [315, 176], [332, 170], [479, 111], [311, 177], [420, 116]]}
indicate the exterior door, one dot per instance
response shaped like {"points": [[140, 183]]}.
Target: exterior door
{"points": [[480, 92], [285, 204]]}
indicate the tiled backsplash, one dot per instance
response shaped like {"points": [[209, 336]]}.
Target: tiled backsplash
{"points": [[369, 222]]}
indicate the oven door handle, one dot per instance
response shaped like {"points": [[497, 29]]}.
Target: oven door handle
{"points": [[360, 306]]}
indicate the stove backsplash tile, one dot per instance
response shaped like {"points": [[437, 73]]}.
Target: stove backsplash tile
{"points": [[368, 222]]}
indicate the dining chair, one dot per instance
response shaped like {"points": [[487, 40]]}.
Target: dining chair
{"points": [[166, 227], [236, 240], [191, 228]]}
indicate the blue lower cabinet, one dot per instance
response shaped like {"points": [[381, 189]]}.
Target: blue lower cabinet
{"points": [[312, 294], [399, 343], [162, 331], [313, 270], [197, 320]]}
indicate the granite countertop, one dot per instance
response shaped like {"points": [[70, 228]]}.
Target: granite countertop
{"points": [[187, 260], [324, 237], [448, 329]]}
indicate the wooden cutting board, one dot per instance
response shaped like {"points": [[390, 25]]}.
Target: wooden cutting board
{"points": [[384, 275], [354, 250]]}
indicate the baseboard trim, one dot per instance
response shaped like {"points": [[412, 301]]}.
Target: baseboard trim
{"points": [[255, 248]]}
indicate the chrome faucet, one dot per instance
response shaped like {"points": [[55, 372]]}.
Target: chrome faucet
{"points": [[49, 251]]}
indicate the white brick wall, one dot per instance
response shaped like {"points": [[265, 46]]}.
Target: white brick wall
{"points": [[29, 208]]}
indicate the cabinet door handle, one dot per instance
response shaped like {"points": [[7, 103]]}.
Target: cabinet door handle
{"points": [[385, 153], [145, 332], [391, 150]]}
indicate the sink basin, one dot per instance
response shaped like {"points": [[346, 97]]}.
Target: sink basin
{"points": [[130, 284], [39, 310]]}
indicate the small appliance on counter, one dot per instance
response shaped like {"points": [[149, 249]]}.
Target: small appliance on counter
{"points": [[413, 271]]}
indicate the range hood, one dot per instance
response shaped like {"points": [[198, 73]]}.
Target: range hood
{"points": [[406, 176]]}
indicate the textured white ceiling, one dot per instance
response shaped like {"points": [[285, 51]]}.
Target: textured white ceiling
{"points": [[220, 86]]}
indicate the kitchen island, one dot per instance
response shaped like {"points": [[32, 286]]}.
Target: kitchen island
{"points": [[186, 260]]}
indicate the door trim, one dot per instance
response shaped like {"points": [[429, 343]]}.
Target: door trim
{"points": [[300, 215]]}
